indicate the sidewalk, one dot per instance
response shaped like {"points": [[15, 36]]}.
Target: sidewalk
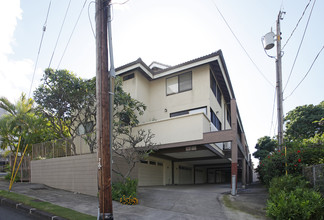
{"points": [[251, 200], [170, 202]]}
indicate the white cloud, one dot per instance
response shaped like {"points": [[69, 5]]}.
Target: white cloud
{"points": [[15, 75]]}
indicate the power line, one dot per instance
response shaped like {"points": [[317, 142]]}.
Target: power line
{"points": [[58, 37], [117, 3], [40, 46], [306, 73], [297, 24], [301, 42], [273, 109], [90, 18], [241, 45], [71, 33]]}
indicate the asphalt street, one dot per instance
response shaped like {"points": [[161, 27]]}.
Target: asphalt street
{"points": [[13, 214]]}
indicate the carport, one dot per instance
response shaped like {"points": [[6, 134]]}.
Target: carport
{"points": [[208, 163]]}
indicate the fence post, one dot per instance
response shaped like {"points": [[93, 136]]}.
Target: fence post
{"points": [[80, 146], [53, 149]]}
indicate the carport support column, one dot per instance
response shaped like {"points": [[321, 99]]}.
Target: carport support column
{"points": [[234, 147]]}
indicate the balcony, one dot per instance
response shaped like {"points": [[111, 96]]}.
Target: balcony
{"points": [[184, 128]]}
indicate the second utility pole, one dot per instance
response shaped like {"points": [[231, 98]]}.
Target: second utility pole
{"points": [[103, 112], [279, 83]]}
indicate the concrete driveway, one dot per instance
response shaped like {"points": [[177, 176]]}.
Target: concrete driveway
{"points": [[187, 202], [184, 201]]}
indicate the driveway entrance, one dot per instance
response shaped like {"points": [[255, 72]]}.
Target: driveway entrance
{"points": [[184, 201]]}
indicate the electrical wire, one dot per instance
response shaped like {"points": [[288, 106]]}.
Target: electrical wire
{"points": [[241, 44], [300, 44], [297, 24], [40, 46], [71, 33], [306, 73], [58, 37], [273, 109], [90, 18], [117, 3]]}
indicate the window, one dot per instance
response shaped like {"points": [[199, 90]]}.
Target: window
{"points": [[179, 83], [215, 88], [190, 111], [174, 114], [184, 168], [216, 122], [130, 76], [229, 115]]}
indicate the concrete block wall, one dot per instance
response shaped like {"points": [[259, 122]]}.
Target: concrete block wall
{"points": [[74, 173]]}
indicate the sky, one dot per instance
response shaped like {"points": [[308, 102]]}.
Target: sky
{"points": [[172, 32]]}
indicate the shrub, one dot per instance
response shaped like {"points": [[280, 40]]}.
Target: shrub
{"points": [[287, 183], [274, 165], [128, 200], [297, 204], [290, 198], [8, 169], [126, 189]]}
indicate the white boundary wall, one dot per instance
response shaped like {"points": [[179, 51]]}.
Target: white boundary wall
{"points": [[75, 173]]}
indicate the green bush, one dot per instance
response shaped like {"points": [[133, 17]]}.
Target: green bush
{"points": [[287, 183], [298, 204], [290, 198], [274, 165], [128, 188], [8, 169]]}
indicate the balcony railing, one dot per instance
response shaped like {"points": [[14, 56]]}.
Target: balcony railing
{"points": [[178, 129]]}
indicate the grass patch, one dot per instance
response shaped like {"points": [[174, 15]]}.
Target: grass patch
{"points": [[235, 206], [46, 206]]}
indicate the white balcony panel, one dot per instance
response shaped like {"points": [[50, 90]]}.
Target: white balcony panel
{"points": [[178, 129]]}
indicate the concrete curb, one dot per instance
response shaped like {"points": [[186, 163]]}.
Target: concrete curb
{"points": [[28, 210]]}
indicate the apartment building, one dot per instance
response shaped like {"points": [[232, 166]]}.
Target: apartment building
{"points": [[192, 111]]}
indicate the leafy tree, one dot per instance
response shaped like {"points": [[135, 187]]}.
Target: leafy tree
{"points": [[22, 121], [274, 165], [67, 102], [304, 122], [264, 146], [129, 143]]}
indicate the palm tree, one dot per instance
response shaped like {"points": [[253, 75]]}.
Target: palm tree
{"points": [[18, 122]]}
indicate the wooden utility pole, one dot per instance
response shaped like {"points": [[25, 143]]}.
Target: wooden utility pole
{"points": [[103, 112], [279, 83]]}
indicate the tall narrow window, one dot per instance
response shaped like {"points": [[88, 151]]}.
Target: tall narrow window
{"points": [[219, 96], [172, 85], [215, 88], [180, 83], [229, 115], [185, 82], [214, 119]]}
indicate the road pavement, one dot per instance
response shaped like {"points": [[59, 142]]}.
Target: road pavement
{"points": [[11, 213]]}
